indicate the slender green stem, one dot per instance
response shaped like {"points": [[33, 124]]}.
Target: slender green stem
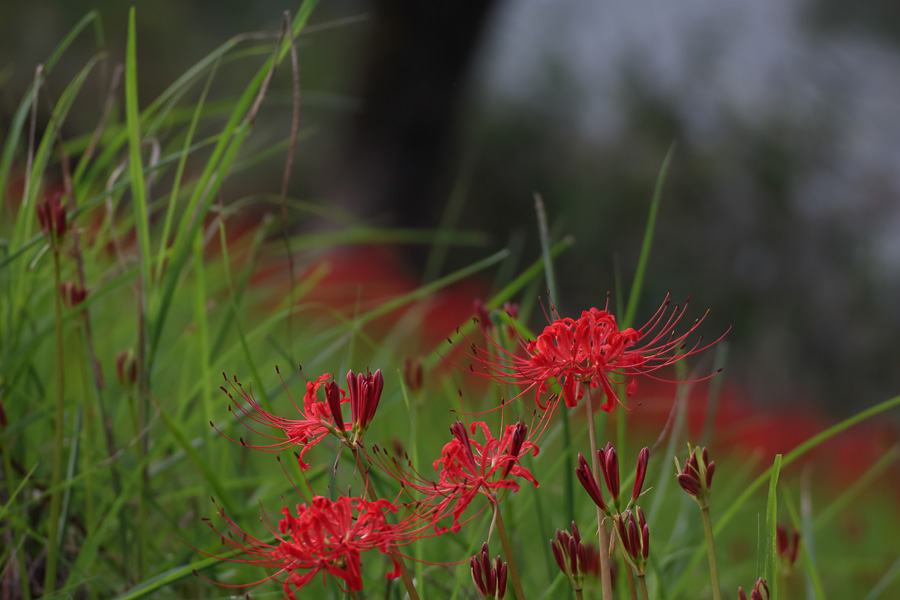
{"points": [[643, 583], [11, 490], [579, 595], [370, 492], [603, 539], [508, 551], [353, 595], [629, 577], [711, 553], [56, 493]]}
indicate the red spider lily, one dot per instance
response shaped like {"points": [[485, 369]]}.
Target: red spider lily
{"points": [[468, 468], [696, 476], [319, 418], [52, 216], [591, 350], [324, 536]]}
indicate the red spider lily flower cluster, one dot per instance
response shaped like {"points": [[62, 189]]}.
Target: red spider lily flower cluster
{"points": [[591, 350], [787, 545], [609, 467], [635, 537], [468, 468], [760, 591], [696, 476], [572, 556], [489, 576], [324, 536], [52, 217], [318, 418]]}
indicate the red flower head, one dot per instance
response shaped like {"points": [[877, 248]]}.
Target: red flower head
{"points": [[467, 468], [324, 536], [318, 418], [591, 350]]}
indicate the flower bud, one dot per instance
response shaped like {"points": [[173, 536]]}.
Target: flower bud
{"points": [[696, 476], [412, 374], [72, 293], [760, 591], [52, 217], [489, 576], [787, 546], [589, 483], [609, 465], [571, 556], [640, 473], [126, 368]]}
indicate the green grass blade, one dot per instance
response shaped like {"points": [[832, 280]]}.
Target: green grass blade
{"points": [[637, 284], [138, 186], [771, 574]]}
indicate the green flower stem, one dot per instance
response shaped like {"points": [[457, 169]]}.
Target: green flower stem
{"points": [[603, 538], [508, 551], [11, 490], [352, 594], [579, 595], [56, 494], [370, 492], [643, 583], [711, 553], [629, 577]]}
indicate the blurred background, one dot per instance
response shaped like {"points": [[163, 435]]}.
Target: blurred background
{"points": [[780, 210]]}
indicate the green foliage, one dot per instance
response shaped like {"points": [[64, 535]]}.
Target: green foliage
{"points": [[170, 279]]}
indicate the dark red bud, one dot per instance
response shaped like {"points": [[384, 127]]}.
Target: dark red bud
{"points": [[3, 421], [412, 374], [333, 398], [589, 483], [709, 474], [501, 582], [689, 484], [640, 473]]}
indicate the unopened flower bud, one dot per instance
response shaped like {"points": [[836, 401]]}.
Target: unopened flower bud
{"points": [[126, 368], [760, 591], [696, 476], [571, 556], [787, 546], [489, 576], [640, 473], [609, 466], [589, 483], [52, 217], [72, 293], [634, 535], [412, 374]]}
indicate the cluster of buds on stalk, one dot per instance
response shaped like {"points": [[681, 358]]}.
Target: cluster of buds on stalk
{"points": [[609, 467], [72, 293], [365, 394], [489, 576], [572, 556], [635, 538], [696, 476], [52, 217], [760, 591], [787, 545]]}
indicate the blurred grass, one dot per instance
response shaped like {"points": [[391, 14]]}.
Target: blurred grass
{"points": [[167, 280]]}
